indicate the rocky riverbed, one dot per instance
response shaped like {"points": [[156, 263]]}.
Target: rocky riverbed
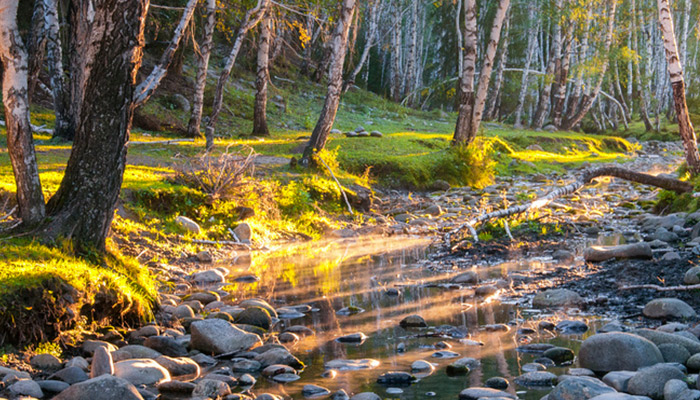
{"points": [[403, 315]]}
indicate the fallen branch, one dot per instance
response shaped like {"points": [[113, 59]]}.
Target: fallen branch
{"points": [[671, 184], [221, 243], [662, 288], [345, 196], [172, 141]]}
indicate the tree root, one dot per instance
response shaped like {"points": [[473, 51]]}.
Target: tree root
{"points": [[671, 184]]}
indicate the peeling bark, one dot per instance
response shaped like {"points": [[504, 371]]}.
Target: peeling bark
{"points": [[65, 120], [202, 69], [263, 76], [20, 145], [531, 43], [552, 67]]}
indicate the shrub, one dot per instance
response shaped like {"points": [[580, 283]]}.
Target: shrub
{"points": [[218, 177], [471, 165]]}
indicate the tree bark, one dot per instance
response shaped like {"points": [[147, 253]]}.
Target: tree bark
{"points": [[263, 76], [64, 127], [459, 34], [562, 75], [83, 207], [466, 84], [675, 70], [30, 198], [251, 18], [146, 88], [396, 76], [474, 120], [202, 70], [492, 109], [36, 47], [335, 82], [554, 58], [589, 99], [370, 39], [412, 57], [531, 43], [639, 86]]}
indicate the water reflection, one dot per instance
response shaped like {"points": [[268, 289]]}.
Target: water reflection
{"points": [[359, 273]]}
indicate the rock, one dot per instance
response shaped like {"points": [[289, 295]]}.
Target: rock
{"points": [[579, 387], [216, 336], [79, 362], [618, 379], [45, 361], [664, 235], [340, 395], [366, 396], [286, 378], [188, 225], [176, 387], [422, 365], [138, 351], [245, 365], [243, 232], [208, 277], [376, 134], [181, 103], [580, 372], [246, 380], [536, 379], [205, 256], [104, 387], [166, 345], [256, 316], [413, 321], [259, 303], [141, 371], [674, 353], [101, 363], [533, 366], [182, 366], [603, 253], [617, 351], [559, 355], [314, 391], [497, 383], [468, 277], [71, 375], [89, 346], [52, 386], [565, 256], [572, 327], [396, 378], [557, 298], [673, 388], [445, 354], [692, 276], [650, 381], [659, 338], [693, 362], [618, 396], [351, 365], [210, 388], [668, 308], [358, 337], [536, 147], [433, 210], [671, 256], [482, 393], [279, 356], [26, 387]]}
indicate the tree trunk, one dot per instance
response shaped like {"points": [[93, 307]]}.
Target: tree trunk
{"points": [[675, 70], [459, 34], [396, 76], [251, 18], [554, 59], [412, 57], [146, 88], [494, 101], [531, 43], [639, 86], [64, 127], [261, 79], [582, 53], [562, 76], [474, 120], [20, 145], [339, 43], [202, 69], [83, 207], [466, 85], [36, 47], [589, 99], [369, 43]]}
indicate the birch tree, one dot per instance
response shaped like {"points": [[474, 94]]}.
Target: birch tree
{"points": [[250, 20], [470, 115], [675, 70], [370, 40], [20, 145], [335, 81], [530, 52], [412, 57], [554, 58], [263, 76], [202, 57], [64, 127]]}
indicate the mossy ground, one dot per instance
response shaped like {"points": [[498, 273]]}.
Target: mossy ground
{"points": [[288, 202]]}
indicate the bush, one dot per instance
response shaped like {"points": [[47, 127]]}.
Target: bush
{"points": [[471, 165], [218, 177]]}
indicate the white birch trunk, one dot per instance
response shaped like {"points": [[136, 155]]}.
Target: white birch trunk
{"points": [[466, 85], [531, 47], [370, 39], [459, 34], [202, 69]]}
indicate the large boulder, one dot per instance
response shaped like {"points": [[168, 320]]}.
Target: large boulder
{"points": [[668, 308], [104, 387], [557, 298], [603, 253], [141, 371], [480, 393], [658, 338], [618, 351], [216, 336], [579, 388], [650, 381]]}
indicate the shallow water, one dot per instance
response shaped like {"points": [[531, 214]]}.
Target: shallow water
{"points": [[358, 273]]}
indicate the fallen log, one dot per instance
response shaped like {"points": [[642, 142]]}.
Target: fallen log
{"points": [[585, 178], [662, 288]]}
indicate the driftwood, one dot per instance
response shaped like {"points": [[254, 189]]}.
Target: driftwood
{"points": [[172, 141], [671, 184], [662, 288]]}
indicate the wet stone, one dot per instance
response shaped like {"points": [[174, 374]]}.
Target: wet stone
{"points": [[176, 387], [413, 321], [286, 378], [358, 337], [674, 353], [533, 367], [668, 308], [396, 378], [536, 379], [572, 327], [497, 383], [484, 393], [314, 391], [559, 355], [445, 354], [51, 386]]}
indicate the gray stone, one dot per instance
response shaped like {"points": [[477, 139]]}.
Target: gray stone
{"points": [[536, 379], [351, 365], [314, 391], [246, 380], [26, 387], [603, 253], [166, 345], [671, 256], [693, 362], [138, 351], [650, 381], [422, 365], [497, 383], [618, 396], [105, 387], [176, 387], [262, 304], [245, 365], [188, 225], [692, 276], [366, 396], [481, 393], [181, 366], [45, 361], [570, 327], [286, 378], [468, 277], [565, 256], [396, 378], [208, 277], [617, 351], [557, 298], [413, 321], [674, 353], [673, 388], [181, 103], [79, 362], [618, 379], [71, 375], [279, 356], [579, 388], [256, 316], [52, 386], [89, 346], [357, 337], [141, 371], [559, 355], [216, 336], [662, 337], [243, 232], [210, 388], [101, 363], [668, 308]]}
